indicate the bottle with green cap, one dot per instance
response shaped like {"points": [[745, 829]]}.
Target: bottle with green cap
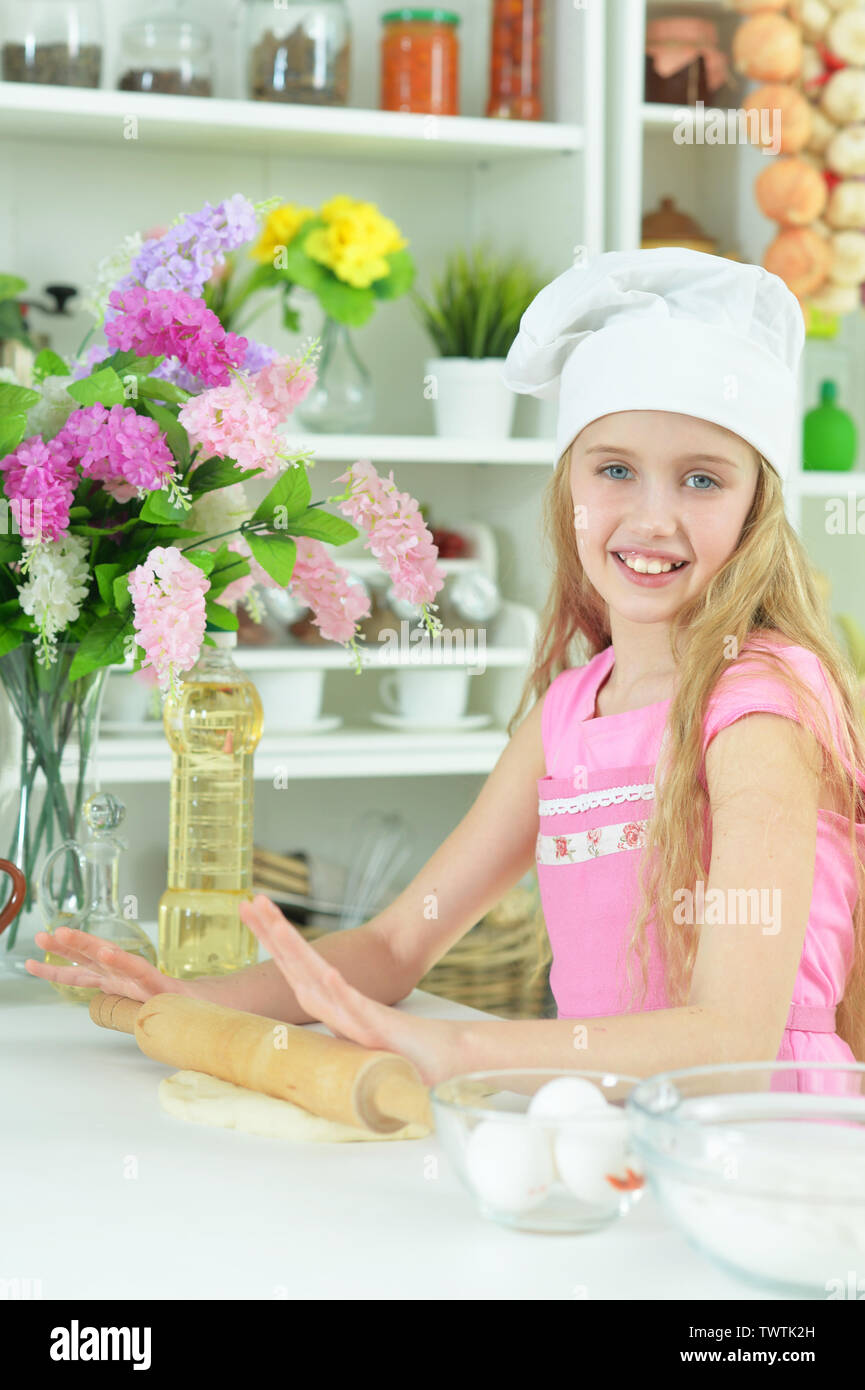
{"points": [[213, 726], [829, 435]]}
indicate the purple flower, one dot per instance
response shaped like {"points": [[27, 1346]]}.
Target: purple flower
{"points": [[188, 253]]}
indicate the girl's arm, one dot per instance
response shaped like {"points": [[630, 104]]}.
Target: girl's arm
{"points": [[763, 776], [490, 850]]}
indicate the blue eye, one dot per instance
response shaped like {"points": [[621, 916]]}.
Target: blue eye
{"points": [[605, 470]]}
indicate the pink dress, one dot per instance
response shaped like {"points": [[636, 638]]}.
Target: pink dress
{"points": [[593, 805]]}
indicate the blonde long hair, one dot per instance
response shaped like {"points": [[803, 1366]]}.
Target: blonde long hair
{"points": [[766, 584]]}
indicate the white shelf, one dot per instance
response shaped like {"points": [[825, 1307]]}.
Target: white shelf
{"points": [[422, 448], [331, 658], [72, 115], [343, 753]]}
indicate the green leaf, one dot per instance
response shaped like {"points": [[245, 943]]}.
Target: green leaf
{"points": [[12, 430], [157, 508], [128, 363], [105, 575], [215, 473], [14, 399], [48, 363], [9, 640], [120, 593], [400, 278], [163, 535], [204, 559], [228, 567], [291, 491], [78, 513], [322, 526], [102, 387], [10, 285], [102, 645], [175, 434], [12, 322], [345, 303], [10, 549], [276, 554], [155, 388], [220, 616]]}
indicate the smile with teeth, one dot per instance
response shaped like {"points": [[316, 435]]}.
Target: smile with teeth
{"points": [[644, 566]]}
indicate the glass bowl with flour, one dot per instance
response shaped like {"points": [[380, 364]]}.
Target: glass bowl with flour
{"points": [[762, 1168]]}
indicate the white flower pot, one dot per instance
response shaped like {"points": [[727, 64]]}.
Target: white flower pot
{"points": [[469, 398]]}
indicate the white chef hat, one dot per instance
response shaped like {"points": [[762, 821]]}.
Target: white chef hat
{"points": [[666, 329]]}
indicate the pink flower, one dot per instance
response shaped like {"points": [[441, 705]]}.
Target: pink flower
{"points": [[171, 323], [283, 384], [398, 536], [169, 611], [229, 423], [125, 450], [39, 482], [323, 586]]}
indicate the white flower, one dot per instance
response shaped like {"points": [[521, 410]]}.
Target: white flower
{"points": [[221, 510], [110, 269], [48, 416], [58, 579]]}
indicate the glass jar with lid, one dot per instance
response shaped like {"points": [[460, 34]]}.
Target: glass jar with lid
{"points": [[420, 61], [53, 41], [166, 53], [515, 60], [298, 51]]}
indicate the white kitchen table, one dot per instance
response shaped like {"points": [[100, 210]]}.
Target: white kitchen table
{"points": [[105, 1196]]}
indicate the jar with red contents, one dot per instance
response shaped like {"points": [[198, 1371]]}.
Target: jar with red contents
{"points": [[420, 61], [515, 60]]}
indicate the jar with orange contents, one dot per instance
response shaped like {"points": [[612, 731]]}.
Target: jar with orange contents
{"points": [[515, 60], [420, 61]]}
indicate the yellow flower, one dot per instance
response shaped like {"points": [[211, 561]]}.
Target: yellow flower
{"points": [[279, 229], [355, 241]]}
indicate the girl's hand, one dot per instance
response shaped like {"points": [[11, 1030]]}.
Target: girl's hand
{"points": [[433, 1045], [102, 966]]}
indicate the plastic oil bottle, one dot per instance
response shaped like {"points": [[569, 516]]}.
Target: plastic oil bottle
{"points": [[213, 728]]}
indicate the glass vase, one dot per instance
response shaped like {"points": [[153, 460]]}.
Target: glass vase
{"points": [[46, 775], [342, 401]]}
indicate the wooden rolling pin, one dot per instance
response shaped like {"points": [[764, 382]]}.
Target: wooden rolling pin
{"points": [[340, 1080]]}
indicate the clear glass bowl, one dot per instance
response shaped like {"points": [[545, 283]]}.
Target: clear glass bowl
{"points": [[762, 1167], [532, 1173]]}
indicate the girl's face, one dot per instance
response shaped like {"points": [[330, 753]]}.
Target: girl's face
{"points": [[657, 481]]}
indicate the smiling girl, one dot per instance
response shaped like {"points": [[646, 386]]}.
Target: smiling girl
{"points": [[689, 778]]}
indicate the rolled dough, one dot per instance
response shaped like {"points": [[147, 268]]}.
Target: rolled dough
{"points": [[208, 1100]]}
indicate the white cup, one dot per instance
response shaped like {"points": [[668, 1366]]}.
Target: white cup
{"points": [[289, 699], [439, 696]]}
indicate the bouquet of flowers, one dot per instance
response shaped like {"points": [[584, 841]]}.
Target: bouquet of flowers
{"points": [[127, 526], [117, 469]]}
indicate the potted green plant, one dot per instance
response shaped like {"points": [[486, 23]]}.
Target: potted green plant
{"points": [[473, 317]]}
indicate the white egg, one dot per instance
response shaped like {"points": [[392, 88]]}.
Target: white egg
{"points": [[509, 1165], [567, 1095], [586, 1153]]}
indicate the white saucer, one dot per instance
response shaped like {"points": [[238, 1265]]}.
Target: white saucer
{"points": [[321, 724], [401, 721]]}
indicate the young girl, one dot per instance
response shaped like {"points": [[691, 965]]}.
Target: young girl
{"points": [[722, 853]]}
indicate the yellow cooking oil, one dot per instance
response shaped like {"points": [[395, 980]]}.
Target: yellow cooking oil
{"points": [[213, 726]]}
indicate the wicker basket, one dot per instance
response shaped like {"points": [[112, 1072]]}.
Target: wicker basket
{"points": [[500, 966]]}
